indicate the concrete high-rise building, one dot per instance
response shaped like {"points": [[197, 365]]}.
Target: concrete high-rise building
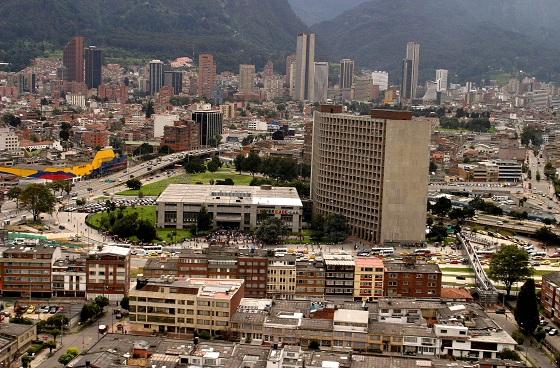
{"points": [[321, 81], [292, 80], [206, 76], [380, 79], [305, 67], [441, 80], [411, 62], [73, 60], [156, 76], [290, 59], [246, 79], [94, 65], [268, 70], [346, 73], [373, 170], [362, 88], [173, 79], [210, 124]]}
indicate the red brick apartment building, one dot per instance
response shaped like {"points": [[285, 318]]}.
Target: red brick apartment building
{"points": [[412, 279], [108, 272]]}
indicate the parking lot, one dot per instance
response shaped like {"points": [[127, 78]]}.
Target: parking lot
{"points": [[102, 206]]}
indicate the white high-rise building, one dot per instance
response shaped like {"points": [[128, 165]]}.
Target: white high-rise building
{"points": [[441, 80], [9, 141], [321, 81], [380, 79], [305, 67]]}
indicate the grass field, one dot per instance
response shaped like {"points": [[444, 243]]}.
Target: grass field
{"points": [[147, 213], [156, 188]]}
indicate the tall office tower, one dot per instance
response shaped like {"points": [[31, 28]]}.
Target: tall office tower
{"points": [[246, 79], [441, 80], [268, 70], [206, 76], [156, 76], [73, 60], [292, 81], [380, 79], [94, 65], [321, 81], [362, 88], [346, 73], [411, 62], [173, 79], [373, 170], [305, 65], [290, 59], [210, 124]]}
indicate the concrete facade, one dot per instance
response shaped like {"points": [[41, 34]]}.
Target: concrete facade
{"points": [[373, 170]]}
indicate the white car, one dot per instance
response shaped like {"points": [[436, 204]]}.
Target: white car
{"points": [[553, 332]]}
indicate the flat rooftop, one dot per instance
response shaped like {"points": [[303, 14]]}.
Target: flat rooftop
{"points": [[239, 195], [202, 287]]}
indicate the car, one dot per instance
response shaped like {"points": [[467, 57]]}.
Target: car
{"points": [[543, 322], [547, 328], [500, 311], [53, 309], [363, 254], [31, 309], [61, 227], [553, 332]]}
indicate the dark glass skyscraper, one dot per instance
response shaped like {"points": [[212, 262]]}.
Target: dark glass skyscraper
{"points": [[210, 123], [94, 64]]}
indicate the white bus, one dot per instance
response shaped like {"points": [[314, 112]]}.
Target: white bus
{"points": [[422, 252], [121, 245], [152, 249], [383, 251]]}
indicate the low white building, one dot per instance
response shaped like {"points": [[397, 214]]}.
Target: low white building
{"points": [[242, 207], [161, 121], [257, 125]]}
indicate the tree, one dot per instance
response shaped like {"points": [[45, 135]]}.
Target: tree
{"points": [[442, 206], [26, 360], [239, 163], [557, 360], [214, 164], [317, 228], [143, 149], [433, 167], [203, 219], [335, 228], [14, 194], [101, 301], [11, 120], [194, 166], [146, 231], [50, 345], [247, 140], [549, 171], [518, 337], [545, 235], [527, 311], [510, 264], [438, 232], [538, 176], [37, 198], [215, 140], [54, 332], [252, 163], [508, 354], [64, 135], [134, 184], [278, 135], [89, 311], [271, 231], [67, 357], [125, 303], [165, 150]]}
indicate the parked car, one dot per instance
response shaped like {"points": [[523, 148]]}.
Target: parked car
{"points": [[53, 309], [553, 332], [31, 309]]}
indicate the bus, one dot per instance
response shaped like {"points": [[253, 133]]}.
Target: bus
{"points": [[383, 251], [485, 253], [152, 249], [120, 245], [422, 252]]}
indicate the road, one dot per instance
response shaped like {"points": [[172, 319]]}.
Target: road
{"points": [[507, 322], [83, 340]]}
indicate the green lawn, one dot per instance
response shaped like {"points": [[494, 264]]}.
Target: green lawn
{"points": [[156, 188], [147, 213]]}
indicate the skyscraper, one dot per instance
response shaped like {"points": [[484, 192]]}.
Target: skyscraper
{"points": [[156, 76], [206, 76], [268, 70], [246, 79], [441, 80], [173, 79], [210, 124], [94, 65], [380, 79], [321, 81], [346, 73], [411, 62], [290, 59], [305, 67], [373, 170], [73, 60]]}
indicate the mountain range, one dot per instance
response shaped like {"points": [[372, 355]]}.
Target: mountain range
{"points": [[236, 31], [473, 39]]}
